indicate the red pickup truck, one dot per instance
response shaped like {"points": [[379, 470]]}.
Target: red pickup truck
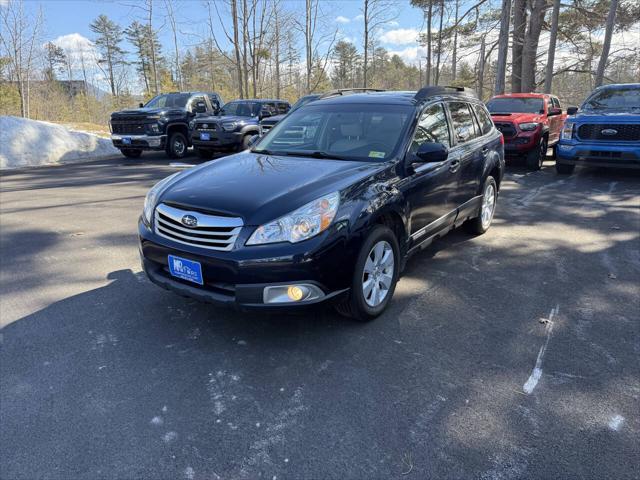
{"points": [[530, 123]]}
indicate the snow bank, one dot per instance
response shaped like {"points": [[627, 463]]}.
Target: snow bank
{"points": [[27, 143]]}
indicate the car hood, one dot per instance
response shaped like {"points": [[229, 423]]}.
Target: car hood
{"points": [[606, 116], [516, 117], [273, 119], [143, 112], [228, 118], [260, 188]]}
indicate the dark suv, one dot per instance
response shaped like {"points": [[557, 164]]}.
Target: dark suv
{"points": [[161, 124], [329, 205], [234, 127]]}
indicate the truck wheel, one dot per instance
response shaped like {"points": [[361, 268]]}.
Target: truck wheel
{"points": [[482, 222], [177, 145], [564, 169], [204, 154], [374, 277], [131, 152], [536, 156], [246, 140]]}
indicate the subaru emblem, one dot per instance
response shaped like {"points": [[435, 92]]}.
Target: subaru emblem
{"points": [[608, 132], [190, 221]]}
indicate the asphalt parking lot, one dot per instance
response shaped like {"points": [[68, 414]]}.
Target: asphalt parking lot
{"points": [[510, 355]]}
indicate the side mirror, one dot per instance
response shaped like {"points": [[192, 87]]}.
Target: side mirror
{"points": [[253, 140], [572, 110], [141, 105], [554, 111], [431, 152], [264, 114], [200, 107]]}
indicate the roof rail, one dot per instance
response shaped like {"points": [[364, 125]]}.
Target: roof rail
{"points": [[346, 91], [430, 91]]}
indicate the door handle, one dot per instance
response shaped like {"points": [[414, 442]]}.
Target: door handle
{"points": [[454, 166]]}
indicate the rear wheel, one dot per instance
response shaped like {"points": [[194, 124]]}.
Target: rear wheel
{"points": [[177, 145], [482, 222], [374, 277], [564, 169], [131, 152], [536, 156]]}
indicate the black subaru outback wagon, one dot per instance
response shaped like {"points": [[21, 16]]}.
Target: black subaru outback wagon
{"points": [[329, 205]]}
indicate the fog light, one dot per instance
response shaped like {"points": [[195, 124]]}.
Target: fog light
{"points": [[298, 293]]}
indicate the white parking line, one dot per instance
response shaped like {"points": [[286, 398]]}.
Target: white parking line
{"points": [[531, 383]]}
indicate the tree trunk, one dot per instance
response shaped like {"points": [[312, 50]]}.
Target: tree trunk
{"points": [[503, 47], [308, 44], [152, 49], [519, 28], [245, 41], [611, 19], [429, 19], [366, 43], [481, 66], [236, 46], [530, 50], [454, 54], [553, 36], [277, 40], [439, 43]]}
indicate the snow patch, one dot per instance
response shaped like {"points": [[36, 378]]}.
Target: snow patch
{"points": [[169, 437], [28, 143], [157, 421], [616, 422]]}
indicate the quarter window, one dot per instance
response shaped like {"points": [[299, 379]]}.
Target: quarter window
{"points": [[486, 124], [462, 122], [432, 127]]}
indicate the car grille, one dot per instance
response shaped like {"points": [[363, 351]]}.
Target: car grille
{"points": [[507, 129], [206, 127], [624, 132], [128, 124], [212, 232]]}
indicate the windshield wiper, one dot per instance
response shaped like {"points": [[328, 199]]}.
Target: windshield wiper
{"points": [[313, 154]]}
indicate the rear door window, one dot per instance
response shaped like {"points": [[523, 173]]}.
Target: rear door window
{"points": [[463, 127], [486, 124]]}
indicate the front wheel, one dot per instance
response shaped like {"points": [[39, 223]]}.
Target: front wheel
{"points": [[177, 145], [374, 277], [482, 222], [131, 152], [536, 156], [564, 169]]}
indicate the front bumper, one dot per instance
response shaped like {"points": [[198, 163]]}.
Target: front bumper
{"points": [[238, 277], [598, 154], [143, 142], [522, 143], [220, 140]]}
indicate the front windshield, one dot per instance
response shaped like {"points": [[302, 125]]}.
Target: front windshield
{"points": [[303, 101], [516, 105], [614, 99], [169, 100], [360, 132], [241, 109]]}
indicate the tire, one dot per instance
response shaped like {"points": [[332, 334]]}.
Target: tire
{"points": [[177, 145], [481, 223], [536, 156], [360, 304], [554, 152], [564, 169], [245, 142], [204, 154], [131, 152]]}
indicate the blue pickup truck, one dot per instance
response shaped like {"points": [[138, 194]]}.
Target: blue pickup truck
{"points": [[604, 132]]}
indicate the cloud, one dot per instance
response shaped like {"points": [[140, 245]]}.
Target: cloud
{"points": [[341, 19], [358, 18], [400, 36], [393, 23], [75, 45]]}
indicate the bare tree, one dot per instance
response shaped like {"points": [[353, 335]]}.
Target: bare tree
{"points": [[437, 79], [172, 22], [152, 45], [532, 39], [313, 39], [553, 36], [519, 29], [19, 35], [503, 47], [375, 13], [611, 18], [454, 53]]}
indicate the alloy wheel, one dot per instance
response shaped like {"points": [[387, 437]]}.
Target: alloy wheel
{"points": [[377, 277], [488, 205]]}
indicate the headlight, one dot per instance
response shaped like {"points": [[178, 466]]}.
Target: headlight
{"points": [[154, 128], [527, 127], [567, 131], [305, 222], [152, 197], [153, 117], [192, 124], [229, 126]]}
